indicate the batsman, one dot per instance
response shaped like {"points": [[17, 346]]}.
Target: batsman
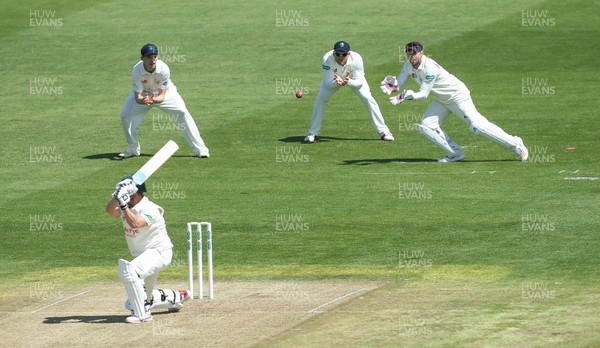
{"points": [[151, 248]]}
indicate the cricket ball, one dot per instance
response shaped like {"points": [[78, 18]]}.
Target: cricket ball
{"points": [[299, 94]]}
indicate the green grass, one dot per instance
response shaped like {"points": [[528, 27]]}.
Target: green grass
{"points": [[346, 191]]}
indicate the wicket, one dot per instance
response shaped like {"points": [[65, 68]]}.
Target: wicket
{"points": [[190, 232]]}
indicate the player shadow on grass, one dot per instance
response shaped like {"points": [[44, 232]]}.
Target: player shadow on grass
{"points": [[366, 162], [321, 139], [91, 319], [115, 156], [108, 156]]}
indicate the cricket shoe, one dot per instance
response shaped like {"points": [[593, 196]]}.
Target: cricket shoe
{"points": [[310, 138], [126, 154], [137, 320], [202, 154], [386, 136], [452, 158], [521, 150]]}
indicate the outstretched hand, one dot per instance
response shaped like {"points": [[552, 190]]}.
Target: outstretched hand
{"points": [[149, 99], [407, 94], [342, 81], [145, 98], [389, 84]]}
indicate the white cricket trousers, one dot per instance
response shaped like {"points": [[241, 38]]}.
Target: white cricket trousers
{"points": [[437, 112], [174, 106], [149, 264], [364, 93]]}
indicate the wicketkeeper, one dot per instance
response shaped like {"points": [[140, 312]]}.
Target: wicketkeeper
{"points": [[450, 96], [151, 248]]}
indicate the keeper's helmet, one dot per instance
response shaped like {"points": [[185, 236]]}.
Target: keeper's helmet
{"points": [[413, 47]]}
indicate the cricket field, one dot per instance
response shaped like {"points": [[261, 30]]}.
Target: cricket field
{"points": [[350, 241]]}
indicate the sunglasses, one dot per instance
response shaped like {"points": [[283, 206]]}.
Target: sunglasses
{"points": [[342, 54], [412, 49]]}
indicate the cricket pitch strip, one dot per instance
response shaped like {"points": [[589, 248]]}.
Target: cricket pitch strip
{"points": [[243, 314]]}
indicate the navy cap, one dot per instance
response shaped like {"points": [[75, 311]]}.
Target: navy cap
{"points": [[341, 46], [413, 47], [149, 49]]}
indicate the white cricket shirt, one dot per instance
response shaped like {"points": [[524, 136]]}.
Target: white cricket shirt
{"points": [[152, 82], [152, 236], [354, 66], [431, 77]]}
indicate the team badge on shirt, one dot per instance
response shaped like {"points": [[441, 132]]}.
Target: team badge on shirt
{"points": [[150, 218], [326, 67]]}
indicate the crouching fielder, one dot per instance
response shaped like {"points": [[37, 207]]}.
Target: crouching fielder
{"points": [[450, 96], [342, 67], [151, 248]]}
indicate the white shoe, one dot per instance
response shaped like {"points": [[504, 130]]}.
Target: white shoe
{"points": [[452, 158], [136, 320], [310, 138], [203, 154], [521, 150], [127, 154], [386, 136]]}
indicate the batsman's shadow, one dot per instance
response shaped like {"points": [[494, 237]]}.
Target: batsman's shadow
{"points": [[366, 162], [88, 319], [91, 319]]}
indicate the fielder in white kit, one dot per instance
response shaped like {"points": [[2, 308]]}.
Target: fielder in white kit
{"points": [[152, 86], [151, 247], [450, 96], [342, 67]]}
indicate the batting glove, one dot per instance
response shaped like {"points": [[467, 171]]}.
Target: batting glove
{"points": [[130, 188], [123, 183], [123, 198], [389, 84], [120, 184]]}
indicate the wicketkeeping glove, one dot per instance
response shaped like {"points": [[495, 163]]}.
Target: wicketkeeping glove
{"points": [[406, 94], [389, 84]]}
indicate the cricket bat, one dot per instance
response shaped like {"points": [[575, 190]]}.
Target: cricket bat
{"points": [[155, 162]]}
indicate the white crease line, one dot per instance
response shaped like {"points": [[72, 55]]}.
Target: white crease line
{"points": [[582, 178], [425, 173], [314, 310], [63, 300], [396, 173]]}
